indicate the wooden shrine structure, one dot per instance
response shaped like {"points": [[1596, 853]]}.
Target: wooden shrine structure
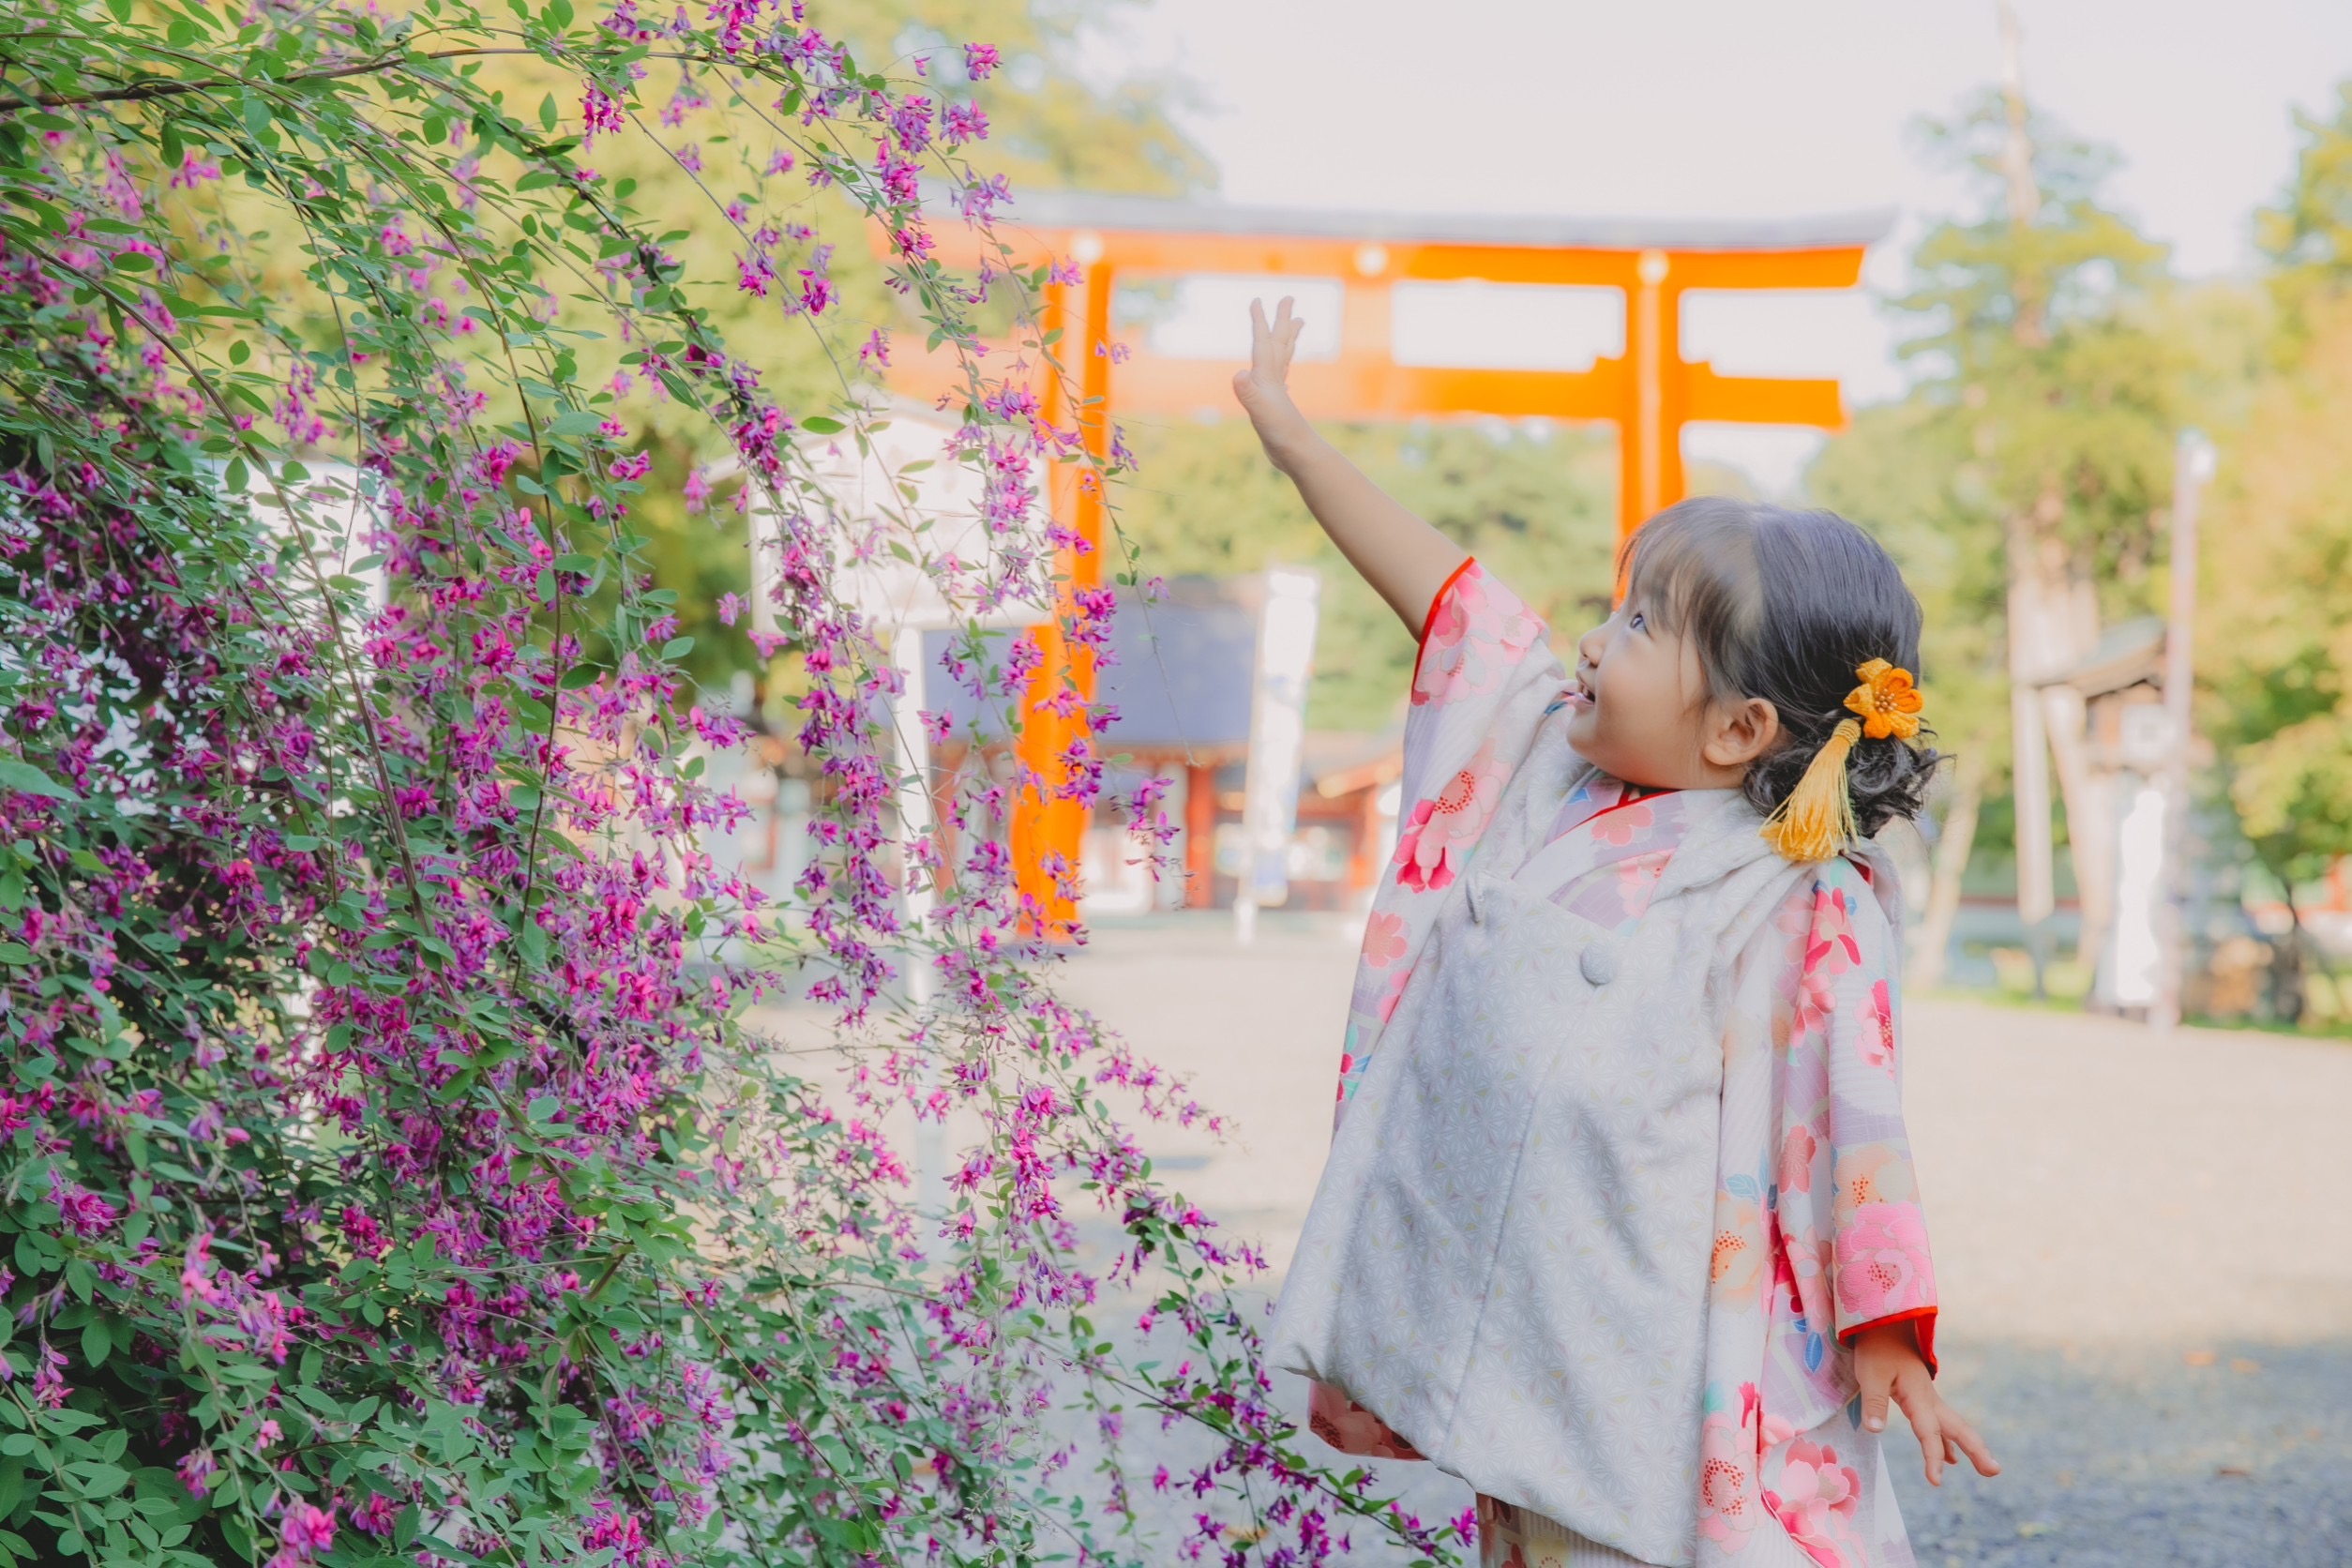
{"points": [[1650, 392]]}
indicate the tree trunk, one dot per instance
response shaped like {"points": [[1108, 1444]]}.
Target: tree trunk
{"points": [[2053, 622], [1933, 940]]}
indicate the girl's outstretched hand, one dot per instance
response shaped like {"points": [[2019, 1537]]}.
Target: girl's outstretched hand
{"points": [[1264, 389], [1888, 1364]]}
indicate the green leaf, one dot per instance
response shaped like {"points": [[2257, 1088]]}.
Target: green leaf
{"points": [[546, 113], [26, 779], [98, 1342], [819, 425], [677, 647]]}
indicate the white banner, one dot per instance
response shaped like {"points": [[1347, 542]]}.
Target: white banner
{"points": [[1277, 735]]}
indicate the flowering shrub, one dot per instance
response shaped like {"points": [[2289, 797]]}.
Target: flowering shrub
{"points": [[395, 1165]]}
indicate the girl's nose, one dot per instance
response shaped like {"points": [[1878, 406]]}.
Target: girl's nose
{"points": [[1589, 646]]}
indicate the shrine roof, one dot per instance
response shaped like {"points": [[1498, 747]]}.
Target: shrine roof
{"points": [[1057, 209]]}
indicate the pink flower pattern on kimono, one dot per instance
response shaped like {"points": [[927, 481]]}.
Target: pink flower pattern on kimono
{"points": [[1831, 948], [1882, 1267], [1383, 939], [1621, 825], [1815, 1501], [1844, 1239], [1737, 1260], [1796, 1160], [1877, 1035], [1478, 632], [1438, 838], [1730, 1464]]}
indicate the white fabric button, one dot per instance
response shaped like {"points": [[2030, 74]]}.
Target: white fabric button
{"points": [[1599, 963]]}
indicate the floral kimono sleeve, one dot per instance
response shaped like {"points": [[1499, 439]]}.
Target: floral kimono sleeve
{"points": [[1485, 678], [1851, 1229]]}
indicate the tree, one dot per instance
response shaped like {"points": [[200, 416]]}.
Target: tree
{"points": [[398, 1163], [2308, 233], [2044, 426], [2277, 645]]}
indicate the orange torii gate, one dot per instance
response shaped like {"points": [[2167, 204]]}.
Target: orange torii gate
{"points": [[1649, 392]]}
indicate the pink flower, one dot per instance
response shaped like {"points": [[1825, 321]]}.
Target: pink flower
{"points": [[306, 1533], [1737, 1257], [1831, 948], [1477, 632], [1882, 1264], [980, 59], [1621, 825], [1727, 1477], [1440, 833], [1815, 1502], [1796, 1160], [1383, 939], [1816, 1003], [375, 1517], [730, 607], [50, 1387], [599, 112], [1878, 1029], [80, 1210], [196, 1468]]}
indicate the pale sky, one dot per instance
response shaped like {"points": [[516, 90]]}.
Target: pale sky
{"points": [[1738, 109]]}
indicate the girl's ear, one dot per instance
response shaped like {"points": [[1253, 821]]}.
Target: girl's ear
{"points": [[1740, 732]]}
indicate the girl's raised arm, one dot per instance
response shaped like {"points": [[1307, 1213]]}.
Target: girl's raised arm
{"points": [[1404, 559]]}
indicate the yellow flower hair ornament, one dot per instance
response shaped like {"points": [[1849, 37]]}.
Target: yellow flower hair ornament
{"points": [[1816, 821]]}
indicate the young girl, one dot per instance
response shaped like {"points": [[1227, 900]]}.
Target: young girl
{"points": [[1619, 1223]]}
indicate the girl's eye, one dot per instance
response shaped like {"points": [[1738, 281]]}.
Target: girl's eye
{"points": [[1636, 621]]}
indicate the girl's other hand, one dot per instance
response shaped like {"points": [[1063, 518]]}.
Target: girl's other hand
{"points": [[1888, 1364], [1264, 389]]}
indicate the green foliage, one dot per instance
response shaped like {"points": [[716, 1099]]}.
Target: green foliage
{"points": [[2308, 234], [1537, 506], [2035, 340], [395, 1168], [2278, 629]]}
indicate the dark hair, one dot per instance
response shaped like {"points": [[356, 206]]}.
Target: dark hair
{"points": [[1784, 605]]}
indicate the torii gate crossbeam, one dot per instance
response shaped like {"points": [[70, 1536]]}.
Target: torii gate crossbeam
{"points": [[1650, 392]]}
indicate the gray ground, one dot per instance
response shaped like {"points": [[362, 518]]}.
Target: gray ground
{"points": [[2145, 1263]]}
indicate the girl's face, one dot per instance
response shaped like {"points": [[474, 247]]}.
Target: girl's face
{"points": [[1638, 709]]}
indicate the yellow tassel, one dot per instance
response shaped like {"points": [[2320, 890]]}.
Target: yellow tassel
{"points": [[1816, 821]]}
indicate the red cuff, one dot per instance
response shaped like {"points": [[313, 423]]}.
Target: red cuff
{"points": [[1429, 620], [1922, 1322]]}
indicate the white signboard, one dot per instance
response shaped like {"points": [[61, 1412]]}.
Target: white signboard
{"points": [[1277, 740]]}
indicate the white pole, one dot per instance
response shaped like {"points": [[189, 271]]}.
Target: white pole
{"points": [[2193, 467], [912, 755]]}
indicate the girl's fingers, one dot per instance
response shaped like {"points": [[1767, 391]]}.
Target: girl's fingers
{"points": [[1875, 1389], [1925, 1411], [1980, 1454]]}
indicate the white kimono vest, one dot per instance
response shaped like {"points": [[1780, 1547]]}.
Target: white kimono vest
{"points": [[1507, 1258]]}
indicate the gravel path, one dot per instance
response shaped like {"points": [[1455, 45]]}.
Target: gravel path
{"points": [[2145, 1260]]}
